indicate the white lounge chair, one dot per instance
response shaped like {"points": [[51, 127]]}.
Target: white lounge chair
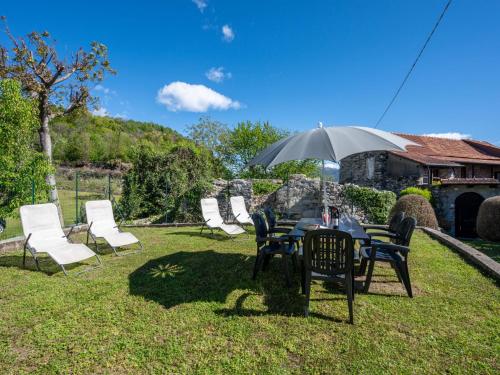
{"points": [[213, 220], [102, 225], [240, 210], [44, 234]]}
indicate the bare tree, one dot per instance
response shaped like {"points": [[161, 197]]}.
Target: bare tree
{"points": [[60, 85]]}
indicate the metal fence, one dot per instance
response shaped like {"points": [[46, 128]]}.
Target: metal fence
{"points": [[74, 189]]}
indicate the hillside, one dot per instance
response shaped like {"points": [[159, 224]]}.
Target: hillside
{"points": [[83, 139]]}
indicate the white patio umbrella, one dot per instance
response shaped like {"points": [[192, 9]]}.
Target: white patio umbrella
{"points": [[330, 143]]}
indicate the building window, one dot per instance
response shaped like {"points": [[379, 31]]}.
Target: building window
{"points": [[370, 167]]}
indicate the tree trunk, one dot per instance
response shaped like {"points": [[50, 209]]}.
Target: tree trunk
{"points": [[46, 144]]}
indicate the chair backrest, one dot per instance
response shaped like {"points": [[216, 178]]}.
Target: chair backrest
{"points": [[260, 227], [328, 252], [270, 217], [405, 231], [42, 222], [100, 214], [396, 219], [238, 207], [210, 211]]}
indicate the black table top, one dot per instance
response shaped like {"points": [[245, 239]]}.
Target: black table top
{"points": [[346, 223]]}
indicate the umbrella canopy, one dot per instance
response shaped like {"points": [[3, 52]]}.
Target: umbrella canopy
{"points": [[330, 143]]}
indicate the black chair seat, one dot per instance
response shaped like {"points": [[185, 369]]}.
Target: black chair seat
{"points": [[381, 255]]}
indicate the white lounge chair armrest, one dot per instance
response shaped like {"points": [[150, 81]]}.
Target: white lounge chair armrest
{"points": [[27, 239], [70, 231]]}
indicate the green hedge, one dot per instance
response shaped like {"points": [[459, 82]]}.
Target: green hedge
{"points": [[262, 187], [426, 193], [375, 203]]}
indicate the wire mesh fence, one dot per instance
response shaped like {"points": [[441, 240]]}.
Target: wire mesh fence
{"points": [[74, 189]]}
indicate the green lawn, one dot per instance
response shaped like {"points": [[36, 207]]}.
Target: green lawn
{"points": [[187, 305], [492, 249]]}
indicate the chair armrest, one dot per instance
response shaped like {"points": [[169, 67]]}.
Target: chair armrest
{"points": [[382, 234], [70, 231], [286, 223], [26, 241], [273, 239], [280, 230], [374, 226], [393, 248]]}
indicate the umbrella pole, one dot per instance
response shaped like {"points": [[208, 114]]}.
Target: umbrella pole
{"points": [[324, 185]]}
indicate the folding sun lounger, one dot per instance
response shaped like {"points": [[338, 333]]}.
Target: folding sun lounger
{"points": [[102, 225], [213, 220], [240, 210], [44, 234]]}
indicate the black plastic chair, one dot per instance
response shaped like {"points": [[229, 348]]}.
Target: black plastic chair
{"points": [[391, 230], [268, 246], [271, 223], [395, 253], [328, 256]]}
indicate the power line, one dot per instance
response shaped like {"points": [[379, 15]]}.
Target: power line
{"points": [[415, 62]]}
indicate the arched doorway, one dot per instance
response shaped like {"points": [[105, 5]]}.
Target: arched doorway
{"points": [[466, 208]]}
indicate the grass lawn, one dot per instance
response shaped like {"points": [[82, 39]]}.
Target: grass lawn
{"points": [[187, 305], [492, 249]]}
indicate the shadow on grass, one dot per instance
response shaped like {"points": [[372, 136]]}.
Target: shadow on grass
{"points": [[210, 276], [47, 265]]}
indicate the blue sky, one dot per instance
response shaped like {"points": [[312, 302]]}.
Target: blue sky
{"points": [[293, 63]]}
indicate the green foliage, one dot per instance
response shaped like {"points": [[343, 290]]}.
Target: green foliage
{"points": [[376, 204], [426, 193], [170, 182], [262, 187], [82, 138], [488, 219], [418, 207], [20, 163], [236, 147]]}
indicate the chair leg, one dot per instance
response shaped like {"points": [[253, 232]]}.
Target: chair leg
{"points": [[369, 274], [294, 261], [303, 276], [256, 265], [362, 267], [406, 279], [266, 260], [350, 297]]}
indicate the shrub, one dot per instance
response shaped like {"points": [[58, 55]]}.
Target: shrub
{"points": [[262, 187], [375, 203], [426, 193], [488, 219], [167, 183], [418, 207]]}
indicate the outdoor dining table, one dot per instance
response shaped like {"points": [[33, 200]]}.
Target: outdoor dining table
{"points": [[347, 223]]}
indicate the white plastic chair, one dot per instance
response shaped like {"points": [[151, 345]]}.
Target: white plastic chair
{"points": [[213, 220], [43, 232], [102, 225], [240, 210]]}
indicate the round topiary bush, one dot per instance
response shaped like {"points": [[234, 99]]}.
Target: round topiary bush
{"points": [[488, 219], [418, 207]]}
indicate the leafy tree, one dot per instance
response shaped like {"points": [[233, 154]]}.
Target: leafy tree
{"points": [[209, 133], [246, 140], [20, 162], [59, 85]]}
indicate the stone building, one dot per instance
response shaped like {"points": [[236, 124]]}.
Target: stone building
{"points": [[461, 173]]}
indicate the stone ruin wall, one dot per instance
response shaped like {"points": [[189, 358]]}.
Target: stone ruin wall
{"points": [[300, 197]]}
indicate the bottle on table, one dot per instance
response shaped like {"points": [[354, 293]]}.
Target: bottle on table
{"points": [[335, 216]]}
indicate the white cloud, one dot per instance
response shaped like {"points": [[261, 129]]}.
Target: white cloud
{"points": [[217, 74], [227, 33], [104, 90], [101, 112], [201, 4], [449, 135], [182, 96]]}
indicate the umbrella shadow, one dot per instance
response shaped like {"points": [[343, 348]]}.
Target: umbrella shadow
{"points": [[210, 276]]}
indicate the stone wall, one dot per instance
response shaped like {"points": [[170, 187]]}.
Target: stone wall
{"points": [[379, 170], [446, 195], [299, 197]]}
